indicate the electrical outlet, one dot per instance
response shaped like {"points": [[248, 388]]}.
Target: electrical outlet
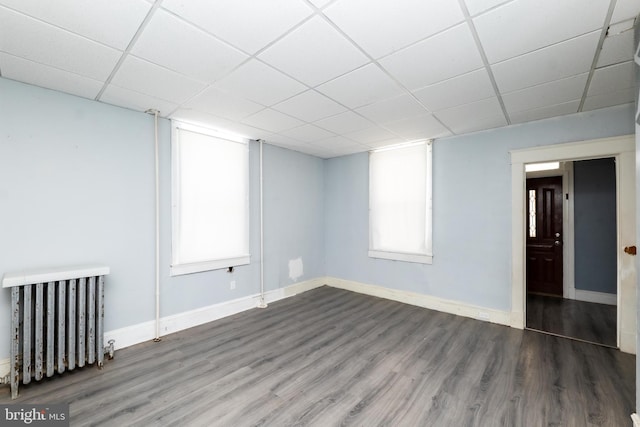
{"points": [[232, 285]]}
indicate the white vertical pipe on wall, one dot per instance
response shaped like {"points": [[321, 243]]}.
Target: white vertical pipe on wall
{"points": [[262, 303], [157, 181]]}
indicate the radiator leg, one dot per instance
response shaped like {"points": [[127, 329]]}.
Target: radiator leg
{"points": [[100, 321], [15, 341], [110, 349]]}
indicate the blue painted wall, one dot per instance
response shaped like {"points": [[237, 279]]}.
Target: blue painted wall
{"points": [[594, 189], [77, 186], [471, 210]]}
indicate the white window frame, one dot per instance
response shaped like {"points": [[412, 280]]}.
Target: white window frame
{"points": [[425, 257], [176, 267]]}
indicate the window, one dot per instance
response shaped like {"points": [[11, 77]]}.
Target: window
{"points": [[535, 167], [532, 213], [210, 200], [400, 203]]}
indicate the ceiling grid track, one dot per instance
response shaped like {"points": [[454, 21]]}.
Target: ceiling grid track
{"points": [[485, 60], [250, 57], [126, 52], [381, 68], [596, 56], [329, 77]]}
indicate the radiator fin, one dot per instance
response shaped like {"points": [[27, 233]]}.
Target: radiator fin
{"points": [[56, 326]]}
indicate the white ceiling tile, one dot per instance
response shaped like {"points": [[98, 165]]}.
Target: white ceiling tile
{"points": [[440, 57], [361, 87], [459, 90], [309, 106], [610, 99], [319, 3], [625, 9], [273, 121], [478, 6], [616, 48], [314, 53], [247, 24], [223, 104], [551, 63], [136, 101], [345, 122], [177, 45], [545, 112], [219, 124], [397, 108], [419, 127], [145, 77], [308, 133], [260, 83], [26, 71], [547, 94], [612, 78], [370, 135], [43, 43], [480, 115], [383, 27], [537, 23], [112, 22]]}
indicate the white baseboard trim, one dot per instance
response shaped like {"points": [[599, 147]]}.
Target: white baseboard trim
{"points": [[136, 334], [142, 332], [636, 420], [598, 297], [426, 301]]}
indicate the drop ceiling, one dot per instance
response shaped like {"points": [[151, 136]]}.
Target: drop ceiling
{"points": [[329, 78]]}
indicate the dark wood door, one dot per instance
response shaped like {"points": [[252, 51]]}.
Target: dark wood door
{"points": [[544, 235]]}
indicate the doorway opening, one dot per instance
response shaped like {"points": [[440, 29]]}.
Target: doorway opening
{"points": [[571, 251], [623, 150]]}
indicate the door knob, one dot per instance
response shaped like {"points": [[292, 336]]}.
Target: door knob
{"points": [[557, 235], [557, 243]]}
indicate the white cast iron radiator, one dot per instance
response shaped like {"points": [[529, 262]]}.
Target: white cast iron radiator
{"points": [[57, 321]]}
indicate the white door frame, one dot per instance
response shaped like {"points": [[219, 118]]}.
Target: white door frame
{"points": [[623, 150]]}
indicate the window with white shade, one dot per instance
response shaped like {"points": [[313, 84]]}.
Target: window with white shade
{"points": [[210, 200], [400, 203]]}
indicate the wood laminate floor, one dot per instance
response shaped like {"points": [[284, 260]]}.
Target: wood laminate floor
{"points": [[330, 357], [572, 318]]}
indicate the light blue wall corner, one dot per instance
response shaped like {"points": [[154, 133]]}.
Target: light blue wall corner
{"points": [[77, 185], [471, 210]]}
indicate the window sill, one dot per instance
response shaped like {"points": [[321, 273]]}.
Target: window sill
{"points": [[197, 267], [398, 256]]}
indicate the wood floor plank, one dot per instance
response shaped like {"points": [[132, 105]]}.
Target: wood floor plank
{"points": [[331, 357], [582, 320]]}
